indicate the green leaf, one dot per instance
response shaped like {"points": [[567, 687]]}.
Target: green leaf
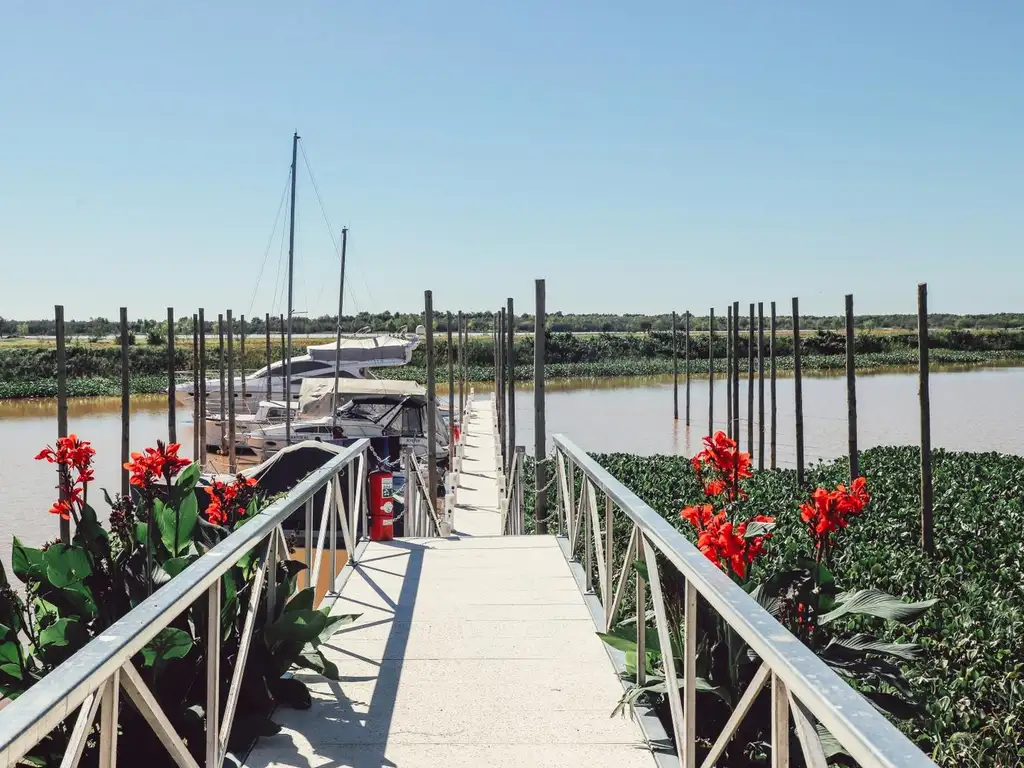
{"points": [[176, 565], [46, 613], [171, 643], [303, 601], [141, 533], [291, 692], [860, 644], [758, 528], [830, 745], [334, 624], [874, 602], [91, 534], [187, 479], [66, 565], [61, 633], [623, 644], [641, 568], [79, 597], [295, 626], [27, 562], [176, 524]]}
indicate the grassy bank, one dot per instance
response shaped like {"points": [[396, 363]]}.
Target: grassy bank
{"points": [[970, 677]]}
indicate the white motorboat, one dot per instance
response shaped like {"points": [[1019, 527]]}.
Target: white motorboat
{"points": [[269, 412], [354, 358], [371, 408]]}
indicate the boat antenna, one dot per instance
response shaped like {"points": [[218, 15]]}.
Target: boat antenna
{"points": [[291, 281], [337, 357]]}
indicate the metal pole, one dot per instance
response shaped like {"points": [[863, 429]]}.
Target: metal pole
{"points": [[202, 389], [232, 459], [270, 380], [774, 404], [291, 309], [510, 360], [711, 372], [451, 396], [341, 306], [196, 417], [927, 521], [675, 370], [851, 390], [760, 385], [222, 416], [172, 427], [428, 322], [798, 389], [686, 363], [286, 394], [540, 508], [126, 391], [62, 404]]}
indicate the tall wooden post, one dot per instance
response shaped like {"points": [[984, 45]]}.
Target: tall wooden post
{"points": [[241, 359], [286, 392], [126, 393], [502, 381], [760, 385], [728, 372], [851, 390], [270, 379], [711, 372], [774, 406], [451, 396], [172, 427], [736, 372], [927, 521], [232, 459], [799, 391], [428, 323], [62, 405], [461, 359], [675, 370], [510, 318], [750, 383], [686, 365], [222, 416], [196, 416], [202, 388], [540, 509]]}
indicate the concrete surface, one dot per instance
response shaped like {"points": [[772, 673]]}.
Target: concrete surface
{"points": [[477, 508]]}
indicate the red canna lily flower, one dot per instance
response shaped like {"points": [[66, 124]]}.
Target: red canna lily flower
{"points": [[721, 456]]}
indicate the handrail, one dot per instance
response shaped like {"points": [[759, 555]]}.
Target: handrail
{"points": [[801, 683], [97, 672], [513, 522]]}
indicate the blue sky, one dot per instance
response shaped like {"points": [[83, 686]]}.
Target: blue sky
{"points": [[639, 156]]}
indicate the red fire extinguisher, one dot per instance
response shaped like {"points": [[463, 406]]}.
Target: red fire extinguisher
{"points": [[382, 517]]}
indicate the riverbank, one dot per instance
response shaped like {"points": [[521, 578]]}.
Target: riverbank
{"points": [[622, 368], [967, 677]]}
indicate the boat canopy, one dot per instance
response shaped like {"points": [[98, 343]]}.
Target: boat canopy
{"points": [[382, 349], [317, 395]]}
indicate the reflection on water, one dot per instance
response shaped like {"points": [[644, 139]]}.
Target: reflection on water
{"points": [[977, 410]]}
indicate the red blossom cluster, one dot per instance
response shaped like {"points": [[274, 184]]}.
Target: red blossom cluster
{"points": [[722, 542], [726, 464], [229, 501], [830, 511], [155, 463], [70, 454]]}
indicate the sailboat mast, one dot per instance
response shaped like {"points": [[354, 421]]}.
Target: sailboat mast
{"points": [[337, 359], [291, 281]]}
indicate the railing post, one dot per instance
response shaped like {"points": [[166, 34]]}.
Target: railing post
{"points": [[331, 485], [585, 492], [609, 562], [780, 723], [520, 507], [213, 675], [108, 721], [309, 541]]}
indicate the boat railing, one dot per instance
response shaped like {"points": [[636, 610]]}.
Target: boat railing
{"points": [[802, 686], [92, 680]]}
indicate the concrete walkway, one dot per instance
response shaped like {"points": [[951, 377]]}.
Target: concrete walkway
{"points": [[471, 651]]}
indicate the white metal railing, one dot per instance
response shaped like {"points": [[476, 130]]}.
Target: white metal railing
{"points": [[802, 685], [421, 516], [513, 511], [92, 679]]}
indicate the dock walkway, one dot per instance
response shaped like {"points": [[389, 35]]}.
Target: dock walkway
{"points": [[475, 650]]}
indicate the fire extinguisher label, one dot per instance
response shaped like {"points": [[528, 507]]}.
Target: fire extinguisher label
{"points": [[387, 488]]}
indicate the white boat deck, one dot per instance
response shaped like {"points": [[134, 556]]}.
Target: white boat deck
{"points": [[476, 650]]}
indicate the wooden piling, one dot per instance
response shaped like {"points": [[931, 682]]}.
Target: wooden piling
{"points": [[510, 365], [241, 359], [711, 372], [451, 397], [201, 426], [502, 415], [540, 508], [195, 388], [774, 405], [760, 385], [222, 416], [736, 371], [270, 380], [750, 383], [62, 406], [675, 370], [799, 393], [924, 394], [286, 391], [428, 323], [172, 426], [126, 393], [461, 359], [728, 372], [686, 366], [232, 458], [851, 390]]}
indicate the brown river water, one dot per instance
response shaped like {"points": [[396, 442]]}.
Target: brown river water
{"points": [[976, 410]]}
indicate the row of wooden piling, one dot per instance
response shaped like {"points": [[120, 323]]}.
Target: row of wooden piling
{"points": [[733, 390]]}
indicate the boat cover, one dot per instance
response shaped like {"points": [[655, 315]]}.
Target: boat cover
{"points": [[316, 395], [380, 349]]}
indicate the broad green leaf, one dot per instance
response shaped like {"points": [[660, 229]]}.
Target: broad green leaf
{"points": [[641, 568], [291, 692], [171, 643], [874, 602], [623, 644], [334, 624], [176, 524], [303, 601], [758, 529], [27, 562], [176, 565], [79, 597], [861, 644], [188, 477], [141, 533], [61, 633], [66, 565], [46, 612], [295, 626], [14, 670], [830, 745]]}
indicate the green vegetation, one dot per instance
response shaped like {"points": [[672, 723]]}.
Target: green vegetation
{"points": [[969, 675]]}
